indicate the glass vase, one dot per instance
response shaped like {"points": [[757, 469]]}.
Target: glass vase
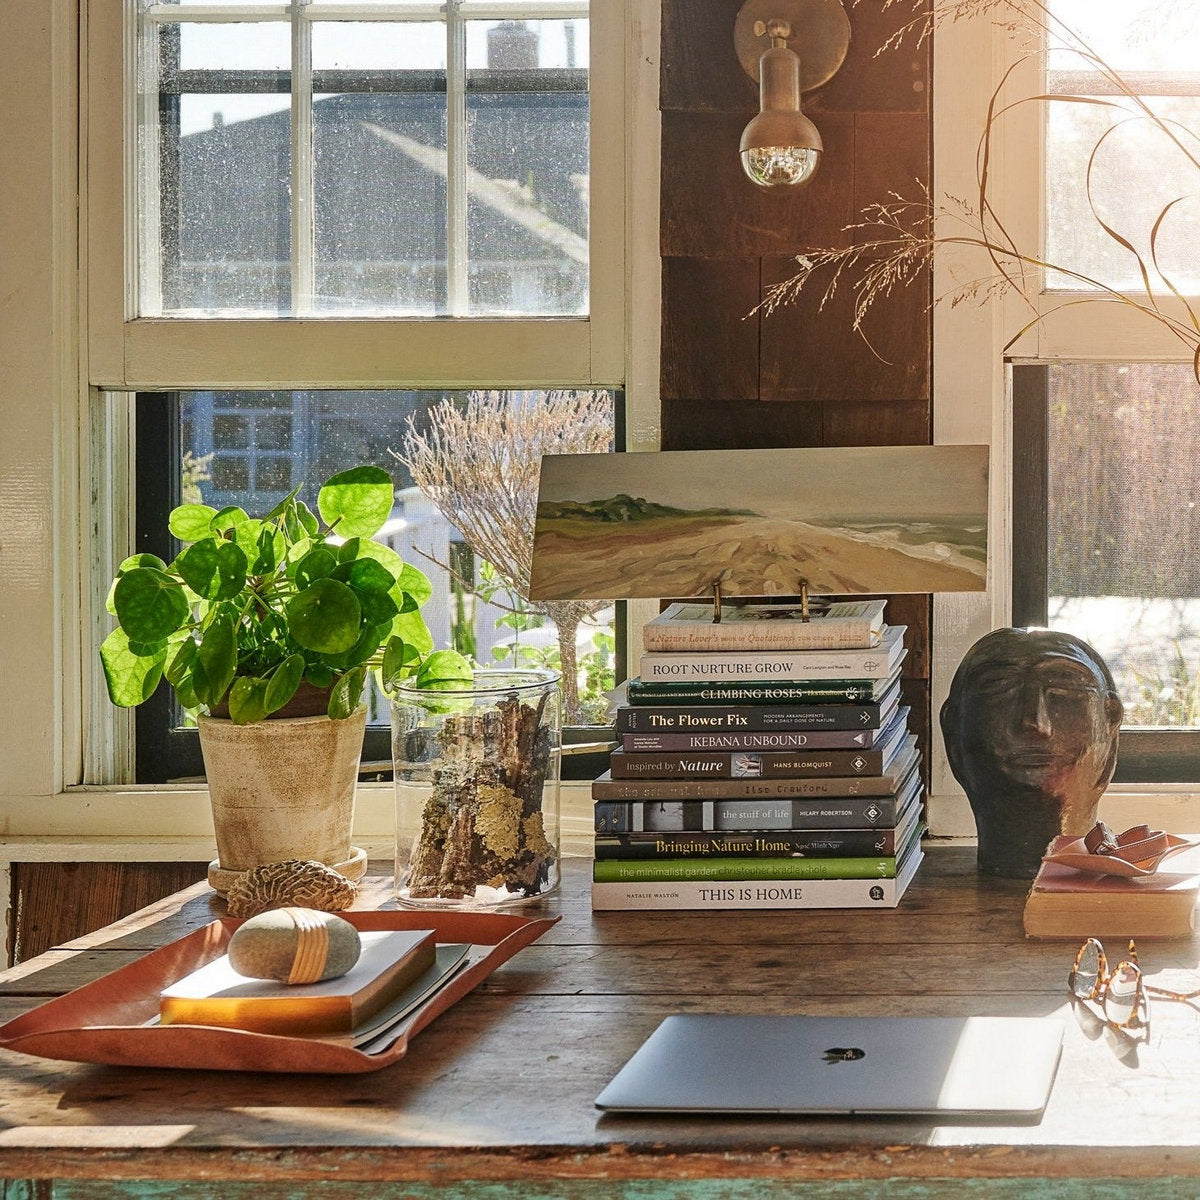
{"points": [[477, 774]]}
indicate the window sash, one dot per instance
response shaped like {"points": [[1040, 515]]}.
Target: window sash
{"points": [[154, 353]]}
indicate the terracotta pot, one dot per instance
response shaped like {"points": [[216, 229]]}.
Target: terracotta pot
{"points": [[282, 789]]}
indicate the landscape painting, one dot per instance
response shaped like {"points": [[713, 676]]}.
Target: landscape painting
{"points": [[843, 520]]}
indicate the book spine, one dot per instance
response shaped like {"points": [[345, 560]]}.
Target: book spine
{"points": [[736, 739], [748, 764], [734, 895], [753, 665], [614, 816], [830, 691], [849, 843], [618, 870], [826, 633], [749, 717], [660, 790]]}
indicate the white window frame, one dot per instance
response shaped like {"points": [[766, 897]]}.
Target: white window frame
{"points": [[65, 454], [972, 401]]}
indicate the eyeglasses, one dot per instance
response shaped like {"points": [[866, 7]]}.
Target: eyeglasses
{"points": [[1122, 994]]}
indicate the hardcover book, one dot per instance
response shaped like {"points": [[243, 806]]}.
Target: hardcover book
{"points": [[879, 662], [803, 843], [216, 994], [733, 895], [750, 866], [676, 816], [1065, 903], [690, 626], [605, 787], [764, 739], [797, 691], [691, 718], [749, 764]]}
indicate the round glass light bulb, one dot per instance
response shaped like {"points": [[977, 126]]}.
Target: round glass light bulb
{"points": [[780, 166]]}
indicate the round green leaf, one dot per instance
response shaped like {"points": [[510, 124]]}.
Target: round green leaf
{"points": [[357, 502], [370, 638], [131, 563], [282, 685], [400, 659], [320, 675], [191, 522], [307, 519], [347, 694], [410, 626], [269, 550], [216, 661], [445, 669], [131, 670], [318, 563], [325, 617], [179, 663], [229, 519], [213, 569], [247, 700], [149, 604]]}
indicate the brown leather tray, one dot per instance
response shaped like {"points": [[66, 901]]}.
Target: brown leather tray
{"points": [[104, 1021]]}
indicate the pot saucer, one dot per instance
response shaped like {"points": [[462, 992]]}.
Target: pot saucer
{"points": [[1075, 854], [221, 879]]}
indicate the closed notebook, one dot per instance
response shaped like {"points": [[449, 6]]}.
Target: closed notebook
{"points": [[216, 994], [1063, 902]]}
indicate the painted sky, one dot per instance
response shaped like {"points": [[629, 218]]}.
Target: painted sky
{"points": [[895, 481]]}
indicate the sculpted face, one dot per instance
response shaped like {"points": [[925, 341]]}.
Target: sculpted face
{"points": [[1031, 733]]}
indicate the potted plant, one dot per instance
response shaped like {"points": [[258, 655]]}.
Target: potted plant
{"points": [[267, 627]]}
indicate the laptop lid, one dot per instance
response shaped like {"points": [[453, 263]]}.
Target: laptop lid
{"points": [[742, 1064]]}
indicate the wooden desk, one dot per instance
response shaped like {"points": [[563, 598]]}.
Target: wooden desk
{"points": [[499, 1090]]}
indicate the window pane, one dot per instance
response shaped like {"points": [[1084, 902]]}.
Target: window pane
{"points": [[237, 435], [1129, 35], [1124, 524], [215, 165], [1137, 171], [379, 167], [527, 160]]}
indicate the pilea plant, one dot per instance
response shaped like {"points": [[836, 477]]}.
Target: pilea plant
{"points": [[251, 608]]}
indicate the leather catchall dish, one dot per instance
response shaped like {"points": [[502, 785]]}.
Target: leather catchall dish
{"points": [[1135, 853], [106, 1021]]}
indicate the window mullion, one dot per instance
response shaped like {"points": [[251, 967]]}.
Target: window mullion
{"points": [[456, 162], [303, 241], [144, 237]]}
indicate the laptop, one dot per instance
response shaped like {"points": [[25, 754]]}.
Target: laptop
{"points": [[808, 1065]]}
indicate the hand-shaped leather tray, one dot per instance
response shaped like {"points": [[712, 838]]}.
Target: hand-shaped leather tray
{"points": [[1076, 854], [105, 1021]]}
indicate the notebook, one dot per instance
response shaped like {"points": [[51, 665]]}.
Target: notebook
{"points": [[742, 1064]]}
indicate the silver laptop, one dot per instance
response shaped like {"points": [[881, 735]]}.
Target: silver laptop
{"points": [[739, 1064]]}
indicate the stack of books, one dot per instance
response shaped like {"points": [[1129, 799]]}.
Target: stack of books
{"points": [[752, 777]]}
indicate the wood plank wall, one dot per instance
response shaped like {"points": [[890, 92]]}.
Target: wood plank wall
{"points": [[801, 376]]}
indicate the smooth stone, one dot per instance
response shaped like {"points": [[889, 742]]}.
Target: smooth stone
{"points": [[264, 947]]}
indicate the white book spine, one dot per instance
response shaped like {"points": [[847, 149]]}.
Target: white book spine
{"points": [[731, 665], [728, 896]]}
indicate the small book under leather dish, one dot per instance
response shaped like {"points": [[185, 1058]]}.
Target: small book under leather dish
{"points": [[106, 1021], [1135, 853]]}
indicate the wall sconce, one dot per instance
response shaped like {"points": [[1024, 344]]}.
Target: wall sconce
{"points": [[781, 146]]}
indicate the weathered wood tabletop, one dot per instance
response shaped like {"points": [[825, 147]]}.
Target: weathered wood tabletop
{"points": [[496, 1097]]}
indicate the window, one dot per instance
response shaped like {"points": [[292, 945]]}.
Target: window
{"points": [[336, 216], [1106, 482]]}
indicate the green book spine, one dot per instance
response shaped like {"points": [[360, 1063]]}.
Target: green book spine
{"points": [[633, 870]]}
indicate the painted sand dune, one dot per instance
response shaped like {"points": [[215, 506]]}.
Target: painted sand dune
{"points": [[580, 556]]}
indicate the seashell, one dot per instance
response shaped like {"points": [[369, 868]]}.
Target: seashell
{"points": [[290, 882], [294, 945]]}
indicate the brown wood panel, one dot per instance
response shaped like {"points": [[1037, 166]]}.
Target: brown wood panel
{"points": [[891, 157], [697, 424], [700, 69], [709, 342], [879, 422], [710, 208], [55, 902], [915, 611], [810, 350], [872, 80]]}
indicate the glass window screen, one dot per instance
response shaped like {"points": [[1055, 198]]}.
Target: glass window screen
{"points": [[1142, 163], [1123, 527], [250, 449], [410, 167]]}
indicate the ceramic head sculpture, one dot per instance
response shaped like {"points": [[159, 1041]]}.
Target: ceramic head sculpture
{"points": [[1030, 726]]}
